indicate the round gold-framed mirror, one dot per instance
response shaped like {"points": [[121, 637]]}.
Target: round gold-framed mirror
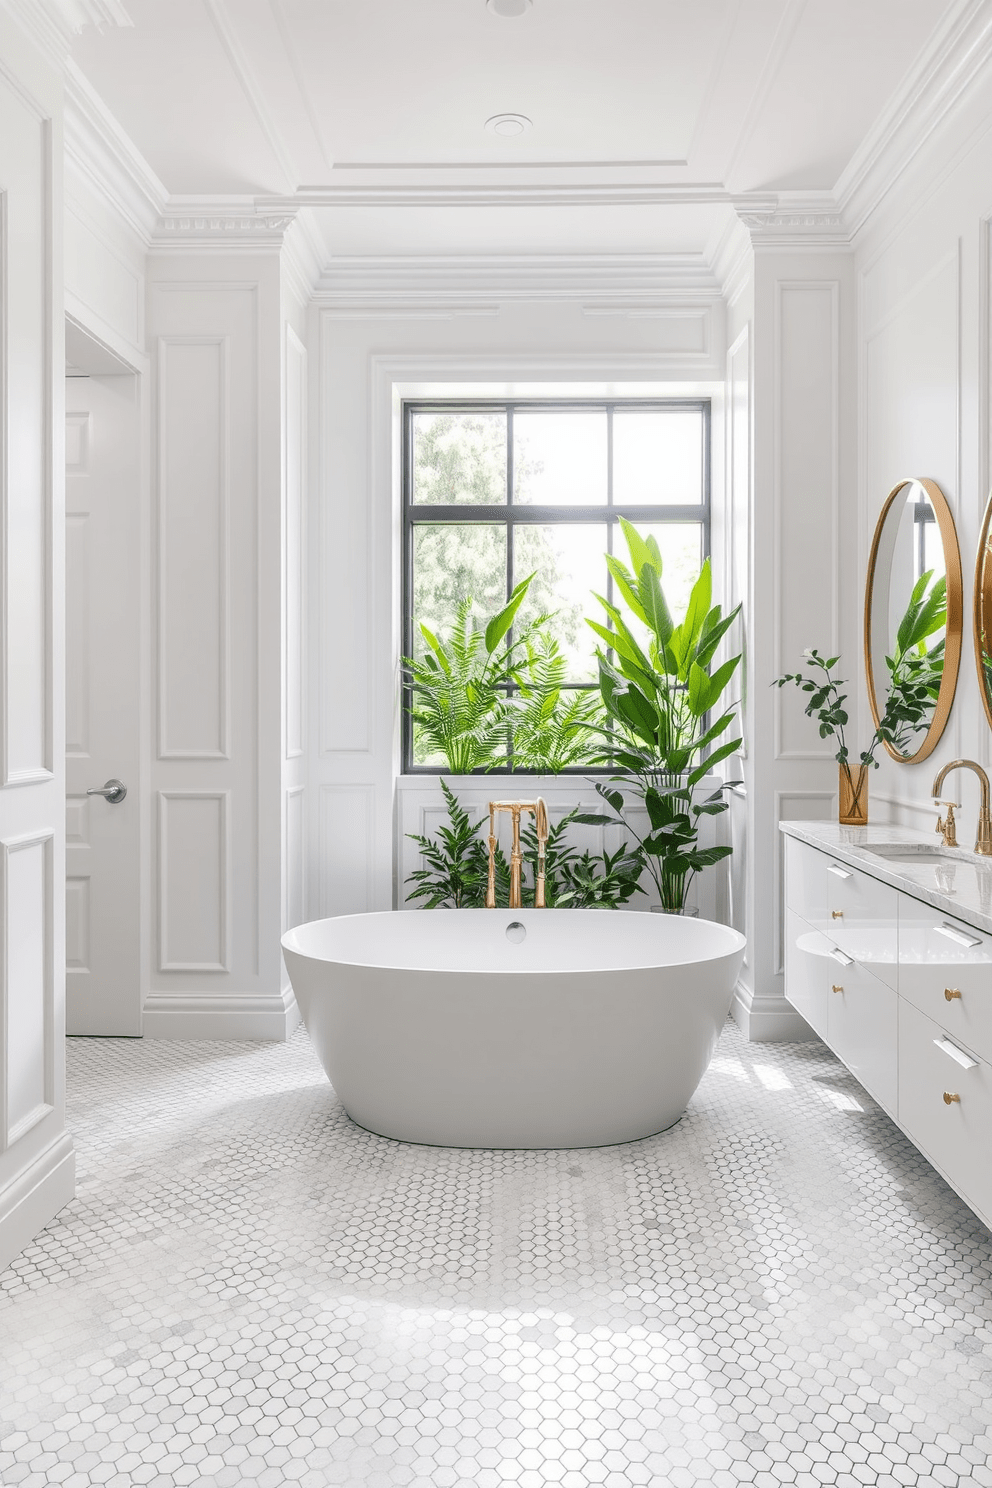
{"points": [[913, 617], [983, 612]]}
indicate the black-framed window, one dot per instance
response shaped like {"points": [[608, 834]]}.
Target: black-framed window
{"points": [[496, 489]]}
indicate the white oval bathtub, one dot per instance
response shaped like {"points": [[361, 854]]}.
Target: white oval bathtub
{"points": [[437, 1026]]}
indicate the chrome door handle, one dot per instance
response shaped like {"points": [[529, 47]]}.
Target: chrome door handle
{"points": [[112, 791]]}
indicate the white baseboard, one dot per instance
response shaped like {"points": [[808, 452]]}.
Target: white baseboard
{"points": [[211, 1015], [768, 1020], [36, 1196]]}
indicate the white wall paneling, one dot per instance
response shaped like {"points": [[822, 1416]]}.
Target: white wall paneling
{"points": [[295, 742], [294, 867], [347, 849], [794, 508], [924, 378], [194, 878], [738, 530], [294, 580], [194, 561], [26, 288], [28, 1012], [36, 1158], [228, 462], [105, 286], [807, 522]]}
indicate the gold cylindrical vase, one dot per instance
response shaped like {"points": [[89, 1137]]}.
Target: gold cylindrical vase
{"points": [[853, 801]]}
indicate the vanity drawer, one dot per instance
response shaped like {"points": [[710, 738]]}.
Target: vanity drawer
{"points": [[808, 969], [955, 1134], [945, 970], [851, 1010], [863, 1030], [852, 909]]}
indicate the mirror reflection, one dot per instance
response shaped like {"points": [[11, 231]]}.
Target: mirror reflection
{"points": [[983, 611], [912, 648]]}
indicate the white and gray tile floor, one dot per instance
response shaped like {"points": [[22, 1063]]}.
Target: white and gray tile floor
{"points": [[248, 1289]]}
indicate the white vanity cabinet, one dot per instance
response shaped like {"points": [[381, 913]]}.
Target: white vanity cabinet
{"points": [[901, 991]]}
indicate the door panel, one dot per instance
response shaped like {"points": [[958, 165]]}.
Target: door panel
{"points": [[102, 664]]}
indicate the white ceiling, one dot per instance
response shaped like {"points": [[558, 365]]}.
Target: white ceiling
{"points": [[260, 97]]}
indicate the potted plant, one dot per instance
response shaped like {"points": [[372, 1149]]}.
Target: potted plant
{"points": [[456, 867], [659, 697], [915, 673]]}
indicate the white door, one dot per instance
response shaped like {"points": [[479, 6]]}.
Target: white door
{"points": [[103, 993]]}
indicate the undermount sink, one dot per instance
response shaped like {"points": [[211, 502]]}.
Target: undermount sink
{"points": [[911, 856]]}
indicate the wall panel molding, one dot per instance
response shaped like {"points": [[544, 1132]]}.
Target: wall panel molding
{"points": [[807, 479], [193, 631], [27, 984], [194, 880], [27, 515], [294, 545], [294, 850], [346, 827]]}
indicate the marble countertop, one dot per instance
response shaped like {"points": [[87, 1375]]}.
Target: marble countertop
{"points": [[958, 884]]}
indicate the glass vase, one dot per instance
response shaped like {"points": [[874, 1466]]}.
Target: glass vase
{"points": [[853, 801]]}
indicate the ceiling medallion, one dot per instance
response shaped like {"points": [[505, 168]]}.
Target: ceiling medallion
{"points": [[508, 126], [509, 7]]}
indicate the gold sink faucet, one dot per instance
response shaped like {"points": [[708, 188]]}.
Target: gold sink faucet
{"points": [[516, 856], [983, 839]]}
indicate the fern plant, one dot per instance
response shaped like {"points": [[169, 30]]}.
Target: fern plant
{"points": [[456, 867], [459, 705], [553, 726], [456, 870]]}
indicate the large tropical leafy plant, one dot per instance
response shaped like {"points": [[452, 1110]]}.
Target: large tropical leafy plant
{"points": [[459, 703], [660, 690]]}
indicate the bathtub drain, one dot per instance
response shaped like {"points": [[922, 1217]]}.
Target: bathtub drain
{"points": [[516, 932]]}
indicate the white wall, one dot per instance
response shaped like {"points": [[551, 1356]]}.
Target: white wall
{"points": [[225, 491], [370, 354], [36, 1158], [923, 384], [791, 516]]}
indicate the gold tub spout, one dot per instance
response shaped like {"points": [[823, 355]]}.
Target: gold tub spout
{"points": [[540, 811], [983, 838]]}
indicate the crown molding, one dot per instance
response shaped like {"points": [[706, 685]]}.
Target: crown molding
{"points": [[644, 280], [500, 194], [51, 24], [99, 153], [794, 220], [958, 52], [225, 224]]}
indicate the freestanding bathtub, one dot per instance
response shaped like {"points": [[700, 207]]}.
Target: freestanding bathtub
{"points": [[514, 1028]]}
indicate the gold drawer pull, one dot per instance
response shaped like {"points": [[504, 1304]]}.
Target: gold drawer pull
{"points": [[838, 989], [950, 993], [950, 1099], [836, 914]]}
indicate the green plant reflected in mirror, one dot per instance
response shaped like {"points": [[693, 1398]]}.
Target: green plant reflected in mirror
{"points": [[983, 611], [913, 615]]}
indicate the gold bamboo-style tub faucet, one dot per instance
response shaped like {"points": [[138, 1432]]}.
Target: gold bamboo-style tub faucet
{"points": [[515, 808]]}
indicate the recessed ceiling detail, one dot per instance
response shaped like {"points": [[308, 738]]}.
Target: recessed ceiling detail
{"points": [[508, 126], [667, 112]]}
